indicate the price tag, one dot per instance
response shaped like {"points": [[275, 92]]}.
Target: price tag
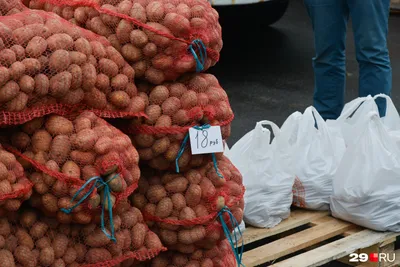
{"points": [[206, 141]]}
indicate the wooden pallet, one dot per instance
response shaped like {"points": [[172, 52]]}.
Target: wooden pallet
{"points": [[310, 238]]}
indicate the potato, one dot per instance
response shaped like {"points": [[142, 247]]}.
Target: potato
{"points": [[41, 141], [85, 140], [190, 236], [178, 185], [108, 67], [178, 24], [59, 61], [138, 234], [42, 84], [95, 255], [60, 148], [24, 239], [38, 230], [9, 91], [7, 57], [71, 169], [77, 58], [164, 208], [156, 193], [138, 38], [152, 241], [140, 68], [32, 66], [4, 75], [82, 45], [7, 258], [88, 77], [150, 50], [207, 189], [60, 41], [70, 256], [97, 239], [184, 10], [18, 103], [28, 218], [103, 83], [168, 237], [131, 53], [60, 245], [59, 125], [27, 84], [60, 84], [138, 12], [154, 76], [46, 257], [25, 256], [19, 52], [36, 47]]}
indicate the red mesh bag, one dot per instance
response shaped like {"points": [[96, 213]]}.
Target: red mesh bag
{"points": [[10, 7], [162, 39], [48, 65], [32, 240], [172, 109], [219, 256], [67, 159], [14, 186], [186, 209]]}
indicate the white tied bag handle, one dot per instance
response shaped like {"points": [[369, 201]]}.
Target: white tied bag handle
{"points": [[392, 118], [316, 155]]}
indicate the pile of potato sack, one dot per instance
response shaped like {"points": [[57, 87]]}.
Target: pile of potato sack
{"points": [[96, 101]]}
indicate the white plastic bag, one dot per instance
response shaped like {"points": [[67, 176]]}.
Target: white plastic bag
{"points": [[355, 110], [316, 153], [265, 168], [366, 187]]}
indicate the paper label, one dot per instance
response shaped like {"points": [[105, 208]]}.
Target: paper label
{"points": [[206, 141]]}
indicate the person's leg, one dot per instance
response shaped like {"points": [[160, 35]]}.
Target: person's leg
{"points": [[370, 25], [329, 19]]}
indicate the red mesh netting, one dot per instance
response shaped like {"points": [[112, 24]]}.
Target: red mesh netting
{"points": [[60, 155], [30, 239], [10, 7], [48, 65], [183, 209], [172, 108], [155, 36], [219, 256], [14, 186]]}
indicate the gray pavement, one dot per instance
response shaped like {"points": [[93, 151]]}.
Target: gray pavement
{"points": [[267, 71]]}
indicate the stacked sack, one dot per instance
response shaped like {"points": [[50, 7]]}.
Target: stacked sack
{"points": [[65, 173], [192, 202]]}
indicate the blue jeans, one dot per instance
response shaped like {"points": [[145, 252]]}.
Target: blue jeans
{"points": [[370, 25]]}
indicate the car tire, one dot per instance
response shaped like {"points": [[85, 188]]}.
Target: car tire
{"points": [[270, 11]]}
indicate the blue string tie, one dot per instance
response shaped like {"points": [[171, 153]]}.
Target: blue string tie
{"points": [[183, 146], [198, 45], [98, 182], [235, 237]]}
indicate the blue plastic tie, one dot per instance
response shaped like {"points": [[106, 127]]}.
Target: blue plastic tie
{"points": [[98, 182], [235, 240], [183, 146], [202, 50]]}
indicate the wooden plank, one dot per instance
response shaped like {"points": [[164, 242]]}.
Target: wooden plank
{"points": [[390, 249], [353, 231], [295, 242], [297, 218], [369, 250], [336, 249]]}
